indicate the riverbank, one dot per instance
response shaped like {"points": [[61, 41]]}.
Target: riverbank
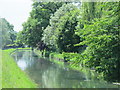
{"points": [[54, 57], [12, 75], [0, 69], [68, 61], [61, 59]]}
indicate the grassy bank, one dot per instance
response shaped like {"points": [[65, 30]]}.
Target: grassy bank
{"points": [[0, 69], [12, 75], [53, 57]]}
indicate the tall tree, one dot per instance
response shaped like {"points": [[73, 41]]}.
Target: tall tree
{"points": [[60, 34], [38, 21], [101, 35]]}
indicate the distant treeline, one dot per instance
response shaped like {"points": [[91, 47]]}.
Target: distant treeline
{"points": [[7, 35]]}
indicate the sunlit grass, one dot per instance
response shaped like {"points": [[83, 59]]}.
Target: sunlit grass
{"points": [[12, 75], [0, 69]]}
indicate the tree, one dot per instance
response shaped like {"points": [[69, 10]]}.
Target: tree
{"points": [[60, 34], [38, 21], [67, 37], [8, 35], [102, 38]]}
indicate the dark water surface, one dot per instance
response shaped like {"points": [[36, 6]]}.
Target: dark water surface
{"points": [[49, 75]]}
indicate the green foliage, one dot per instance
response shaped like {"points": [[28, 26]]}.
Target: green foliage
{"points": [[67, 37], [74, 59], [60, 34], [37, 22], [8, 35], [20, 39], [92, 30], [101, 36], [88, 10]]}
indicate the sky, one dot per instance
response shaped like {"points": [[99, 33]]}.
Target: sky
{"points": [[15, 11]]}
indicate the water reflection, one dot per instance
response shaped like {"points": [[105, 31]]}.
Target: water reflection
{"points": [[49, 75], [22, 64]]}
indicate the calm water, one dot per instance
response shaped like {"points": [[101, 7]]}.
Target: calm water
{"points": [[49, 75]]}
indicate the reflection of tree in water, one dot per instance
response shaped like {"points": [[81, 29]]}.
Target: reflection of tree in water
{"points": [[38, 67], [23, 59], [58, 77], [49, 75], [17, 55]]}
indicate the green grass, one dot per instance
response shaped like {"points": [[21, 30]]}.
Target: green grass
{"points": [[0, 69], [57, 62], [54, 55], [57, 55], [25, 48], [12, 75]]}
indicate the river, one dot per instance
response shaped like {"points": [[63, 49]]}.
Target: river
{"points": [[50, 75]]}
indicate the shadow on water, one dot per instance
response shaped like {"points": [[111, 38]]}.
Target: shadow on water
{"points": [[49, 75]]}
